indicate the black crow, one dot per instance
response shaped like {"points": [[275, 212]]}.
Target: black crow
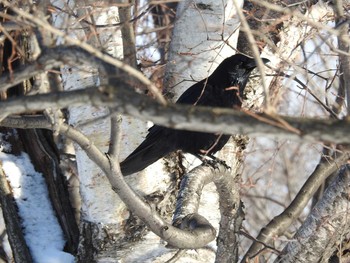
{"points": [[223, 88]]}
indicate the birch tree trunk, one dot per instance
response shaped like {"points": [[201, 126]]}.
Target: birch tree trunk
{"points": [[102, 212]]}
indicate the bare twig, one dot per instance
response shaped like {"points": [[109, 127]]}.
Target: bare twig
{"points": [[256, 53], [305, 87], [90, 49], [309, 21]]}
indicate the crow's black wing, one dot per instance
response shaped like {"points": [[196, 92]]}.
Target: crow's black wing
{"points": [[192, 94], [157, 144], [208, 93]]}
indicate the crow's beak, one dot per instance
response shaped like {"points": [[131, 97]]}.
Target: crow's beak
{"points": [[252, 64], [265, 60]]}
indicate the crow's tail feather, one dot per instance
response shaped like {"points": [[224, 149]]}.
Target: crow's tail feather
{"points": [[143, 156]]}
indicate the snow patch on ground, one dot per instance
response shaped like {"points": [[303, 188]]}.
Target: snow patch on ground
{"points": [[153, 250], [41, 229]]}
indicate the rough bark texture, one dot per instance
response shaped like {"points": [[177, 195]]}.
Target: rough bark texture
{"points": [[231, 207], [43, 153], [98, 243], [13, 226], [164, 18], [187, 118]]}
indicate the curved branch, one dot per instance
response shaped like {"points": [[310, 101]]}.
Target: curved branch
{"points": [[195, 237], [198, 237], [280, 223], [191, 190]]}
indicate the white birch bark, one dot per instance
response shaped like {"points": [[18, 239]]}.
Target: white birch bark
{"points": [[101, 208], [197, 45], [99, 203]]}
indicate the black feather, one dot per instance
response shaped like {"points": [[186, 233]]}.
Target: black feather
{"points": [[223, 88]]}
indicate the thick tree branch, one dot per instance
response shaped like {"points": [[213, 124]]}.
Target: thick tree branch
{"points": [[343, 45], [126, 101], [232, 215], [186, 117], [128, 36], [191, 190], [24, 72], [325, 227], [113, 150]]}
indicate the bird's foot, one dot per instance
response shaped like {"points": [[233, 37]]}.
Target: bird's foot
{"points": [[210, 163], [211, 160], [215, 164], [223, 163]]}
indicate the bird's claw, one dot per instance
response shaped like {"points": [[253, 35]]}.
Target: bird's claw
{"points": [[210, 163], [215, 164], [223, 163]]}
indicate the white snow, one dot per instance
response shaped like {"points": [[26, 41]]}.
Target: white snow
{"points": [[152, 250], [41, 229]]}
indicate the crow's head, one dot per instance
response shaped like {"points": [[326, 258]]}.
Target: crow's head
{"points": [[239, 68], [235, 71]]}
